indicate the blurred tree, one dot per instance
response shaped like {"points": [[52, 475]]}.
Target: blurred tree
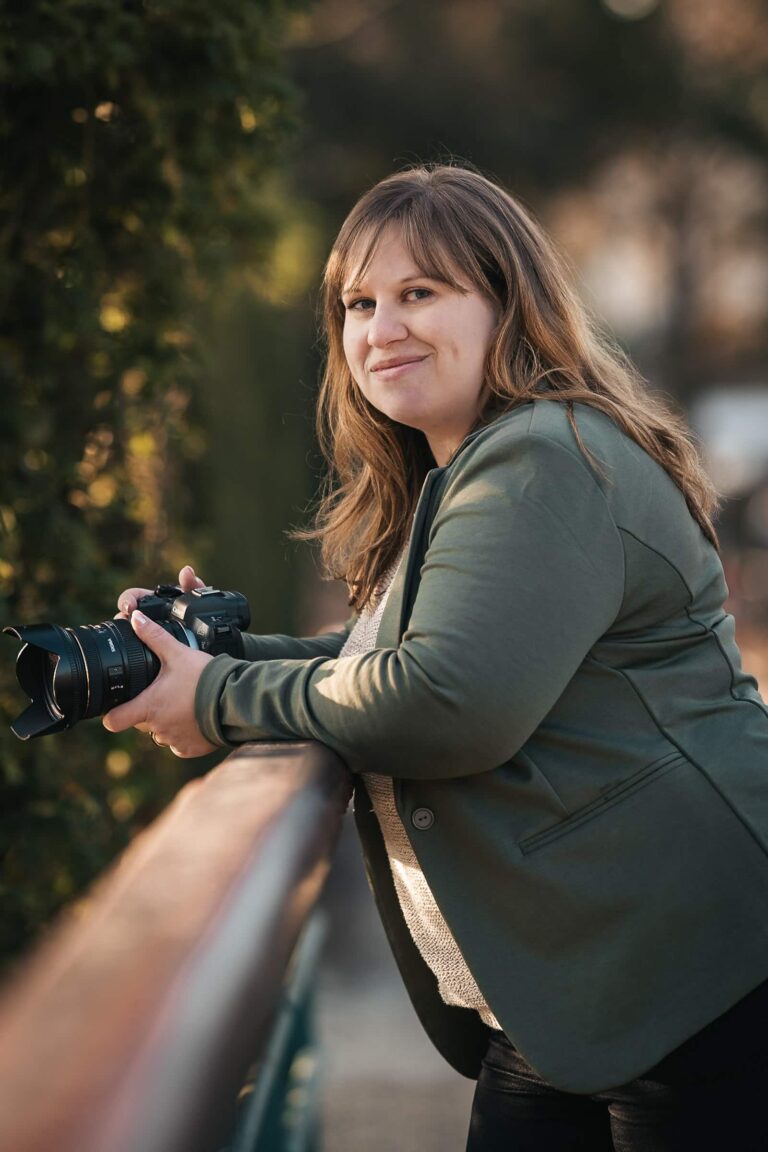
{"points": [[135, 141]]}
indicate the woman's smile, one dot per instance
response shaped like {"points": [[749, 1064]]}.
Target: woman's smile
{"points": [[393, 369]]}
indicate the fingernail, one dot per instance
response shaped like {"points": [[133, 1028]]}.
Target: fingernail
{"points": [[125, 607], [139, 618]]}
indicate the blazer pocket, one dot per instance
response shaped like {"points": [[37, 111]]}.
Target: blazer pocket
{"points": [[616, 794]]}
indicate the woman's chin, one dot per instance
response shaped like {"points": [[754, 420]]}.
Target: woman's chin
{"points": [[406, 414]]}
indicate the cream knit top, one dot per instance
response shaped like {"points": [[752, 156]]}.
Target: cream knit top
{"points": [[430, 933]]}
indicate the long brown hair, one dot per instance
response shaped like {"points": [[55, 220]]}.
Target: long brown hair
{"points": [[546, 348]]}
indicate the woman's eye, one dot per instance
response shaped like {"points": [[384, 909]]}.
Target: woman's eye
{"points": [[365, 304]]}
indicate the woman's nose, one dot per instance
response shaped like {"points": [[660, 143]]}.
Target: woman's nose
{"points": [[385, 326]]}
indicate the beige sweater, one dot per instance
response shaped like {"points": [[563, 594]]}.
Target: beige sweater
{"points": [[429, 930]]}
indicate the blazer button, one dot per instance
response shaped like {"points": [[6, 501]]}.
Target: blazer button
{"points": [[422, 818]]}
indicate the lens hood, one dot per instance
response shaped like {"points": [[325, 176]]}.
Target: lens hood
{"points": [[34, 674]]}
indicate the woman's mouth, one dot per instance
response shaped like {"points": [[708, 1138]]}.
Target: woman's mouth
{"points": [[391, 369]]}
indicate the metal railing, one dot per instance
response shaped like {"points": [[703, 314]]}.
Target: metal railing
{"points": [[134, 1025]]}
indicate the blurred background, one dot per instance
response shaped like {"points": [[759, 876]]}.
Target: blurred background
{"points": [[173, 173]]}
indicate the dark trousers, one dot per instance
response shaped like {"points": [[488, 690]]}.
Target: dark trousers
{"points": [[708, 1095]]}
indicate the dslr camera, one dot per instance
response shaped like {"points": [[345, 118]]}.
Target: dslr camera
{"points": [[72, 674]]}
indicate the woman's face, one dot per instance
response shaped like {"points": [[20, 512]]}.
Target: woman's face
{"points": [[416, 347]]}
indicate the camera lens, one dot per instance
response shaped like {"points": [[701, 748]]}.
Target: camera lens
{"points": [[72, 674]]}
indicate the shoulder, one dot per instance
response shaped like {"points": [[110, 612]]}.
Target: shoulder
{"points": [[548, 420], [523, 484], [538, 439], [540, 436], [527, 464]]}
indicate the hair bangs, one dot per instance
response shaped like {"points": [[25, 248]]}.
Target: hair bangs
{"points": [[432, 238]]}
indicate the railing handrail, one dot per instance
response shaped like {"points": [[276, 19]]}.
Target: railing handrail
{"points": [[130, 1028]]}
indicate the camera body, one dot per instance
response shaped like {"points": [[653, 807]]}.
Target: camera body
{"points": [[73, 674], [214, 618]]}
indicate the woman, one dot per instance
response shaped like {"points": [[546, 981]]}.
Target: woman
{"points": [[559, 762]]}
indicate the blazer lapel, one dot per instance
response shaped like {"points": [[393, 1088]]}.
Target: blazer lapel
{"points": [[402, 593]]}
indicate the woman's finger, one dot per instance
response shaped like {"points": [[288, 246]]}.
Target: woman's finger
{"points": [[128, 600], [189, 580]]}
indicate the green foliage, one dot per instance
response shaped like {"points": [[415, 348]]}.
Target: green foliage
{"points": [[135, 142]]}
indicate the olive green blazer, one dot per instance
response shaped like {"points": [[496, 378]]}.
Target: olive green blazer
{"points": [[579, 760]]}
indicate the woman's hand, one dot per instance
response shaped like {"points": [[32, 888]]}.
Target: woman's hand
{"points": [[128, 599], [166, 709]]}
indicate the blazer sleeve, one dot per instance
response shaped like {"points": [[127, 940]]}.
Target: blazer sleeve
{"points": [[523, 573], [280, 647]]}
